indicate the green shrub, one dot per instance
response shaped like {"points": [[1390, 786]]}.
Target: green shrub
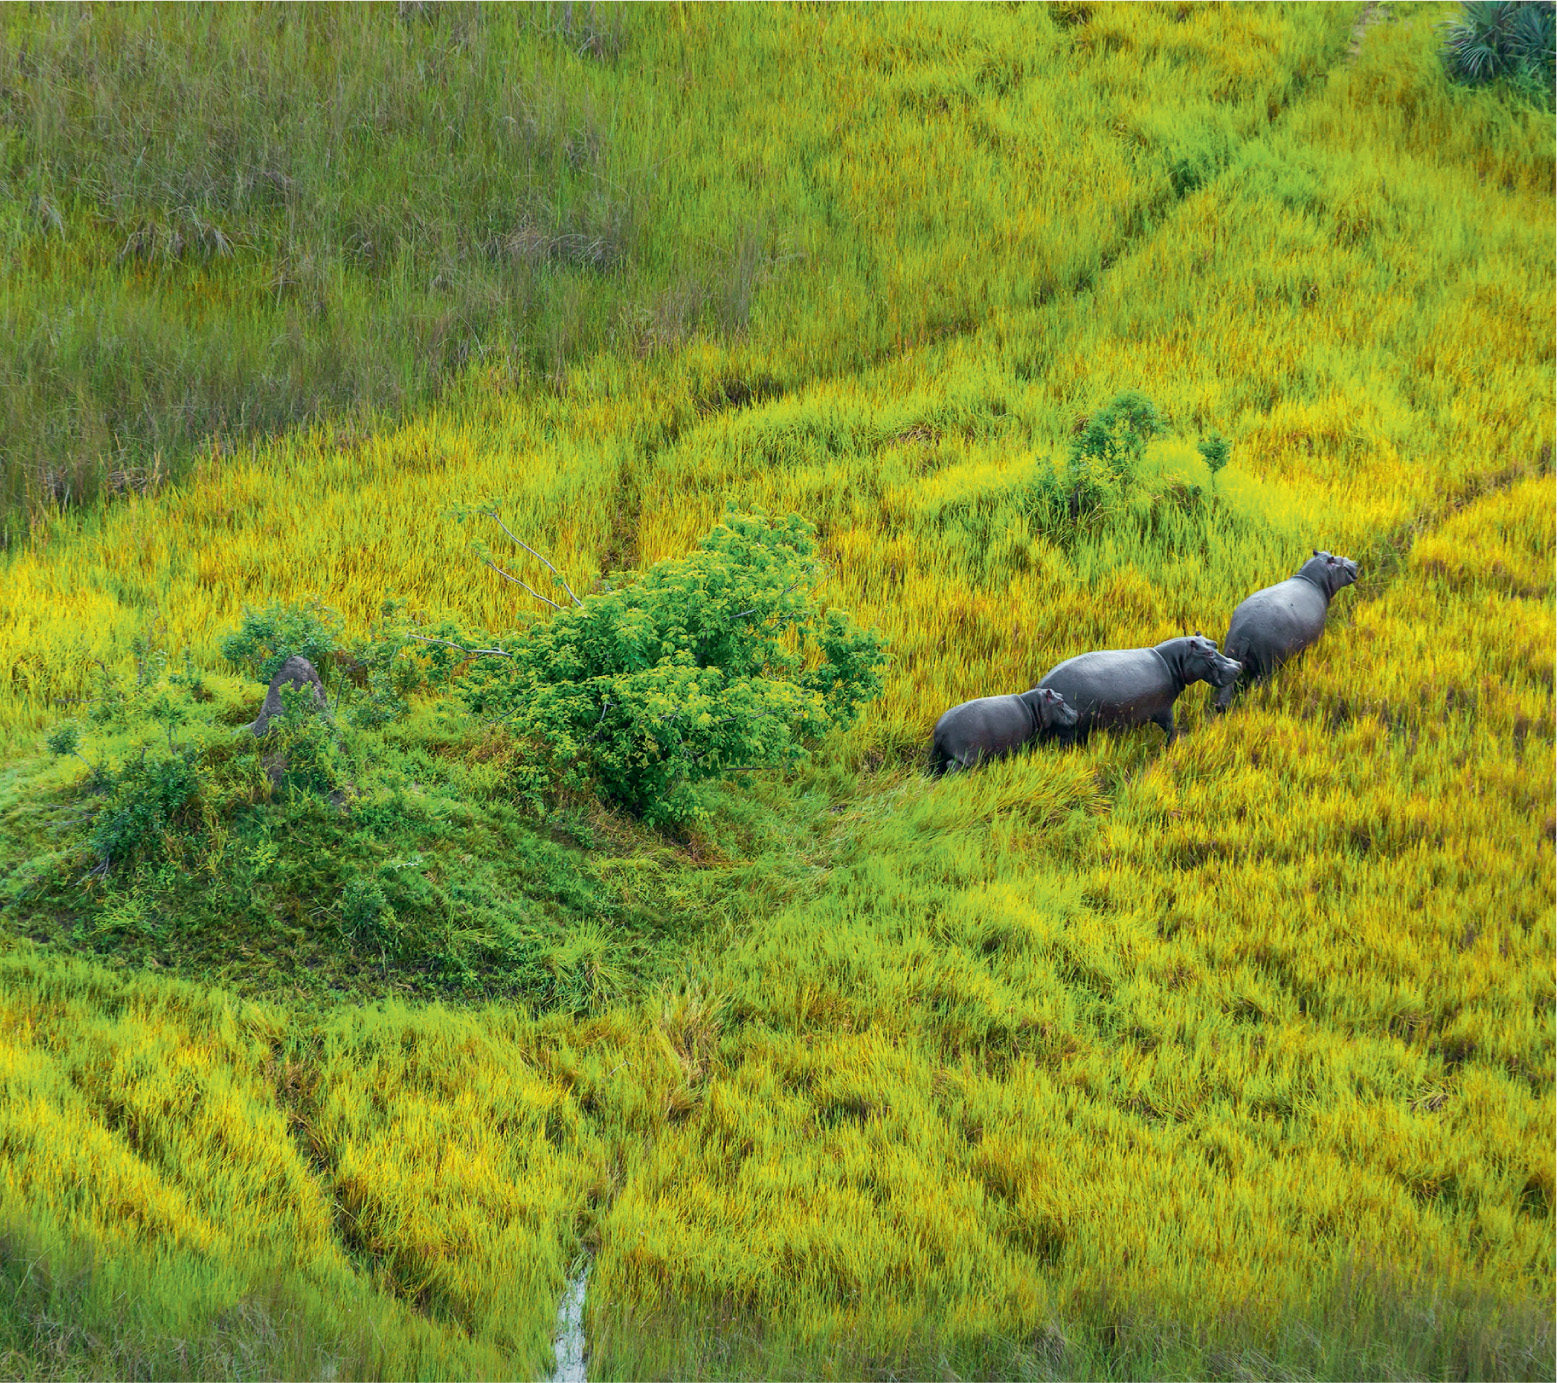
{"points": [[305, 748], [716, 662], [374, 673], [65, 738], [1101, 469], [268, 637], [148, 801], [366, 913], [1511, 39], [1216, 450], [1109, 446], [379, 672], [161, 797]]}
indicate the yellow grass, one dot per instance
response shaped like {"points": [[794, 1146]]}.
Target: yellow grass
{"points": [[1122, 1040]]}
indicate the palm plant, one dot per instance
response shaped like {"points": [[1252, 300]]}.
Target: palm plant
{"points": [[1516, 39]]}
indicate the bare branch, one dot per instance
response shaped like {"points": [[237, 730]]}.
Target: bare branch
{"points": [[600, 724], [507, 577], [492, 514], [474, 652], [741, 614]]}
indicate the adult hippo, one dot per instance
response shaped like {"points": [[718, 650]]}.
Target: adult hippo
{"points": [[1130, 686], [1279, 622], [994, 726]]}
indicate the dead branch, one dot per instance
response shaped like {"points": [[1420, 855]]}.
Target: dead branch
{"points": [[474, 652], [492, 514]]}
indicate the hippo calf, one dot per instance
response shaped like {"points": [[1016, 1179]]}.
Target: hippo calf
{"points": [[1279, 622], [994, 726], [1130, 686]]}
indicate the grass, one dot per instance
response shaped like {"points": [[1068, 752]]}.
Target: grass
{"points": [[193, 264], [1227, 1061]]}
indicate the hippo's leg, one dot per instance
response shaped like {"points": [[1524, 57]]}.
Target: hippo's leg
{"points": [[1224, 695], [1165, 719]]}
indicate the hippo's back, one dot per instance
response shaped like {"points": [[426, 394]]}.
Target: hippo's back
{"points": [[987, 728], [1119, 686], [1276, 624]]}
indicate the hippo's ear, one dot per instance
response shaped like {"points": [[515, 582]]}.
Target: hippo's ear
{"points": [[1316, 552]]}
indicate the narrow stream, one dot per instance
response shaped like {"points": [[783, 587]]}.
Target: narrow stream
{"points": [[569, 1339]]}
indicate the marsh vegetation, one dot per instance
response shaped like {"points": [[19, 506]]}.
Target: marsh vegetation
{"points": [[330, 1055]]}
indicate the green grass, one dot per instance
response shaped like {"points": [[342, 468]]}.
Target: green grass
{"points": [[200, 251], [1231, 1060]]}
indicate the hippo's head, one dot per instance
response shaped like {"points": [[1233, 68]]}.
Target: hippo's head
{"points": [[1329, 572], [1202, 663], [1054, 711]]}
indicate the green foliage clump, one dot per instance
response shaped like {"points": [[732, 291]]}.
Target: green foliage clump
{"points": [[1515, 40], [716, 662], [375, 673], [365, 911], [65, 738], [149, 800], [160, 799], [1108, 448], [306, 749], [136, 810], [269, 636], [1102, 468], [1216, 451]]}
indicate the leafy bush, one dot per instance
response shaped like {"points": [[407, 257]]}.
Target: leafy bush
{"points": [[148, 800], [1111, 442], [65, 738], [379, 671], [268, 637], [305, 750], [1216, 451], [1102, 466], [162, 797], [366, 913], [716, 662], [374, 673], [1512, 39]]}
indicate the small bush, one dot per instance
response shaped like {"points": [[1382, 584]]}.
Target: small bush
{"points": [[1101, 470], [367, 914], [149, 800], [379, 672], [716, 662], [1216, 450], [268, 637], [1510, 39], [305, 747], [374, 673], [165, 793], [1111, 442]]}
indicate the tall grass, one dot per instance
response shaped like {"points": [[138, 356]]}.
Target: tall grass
{"points": [[214, 231], [1228, 1061]]}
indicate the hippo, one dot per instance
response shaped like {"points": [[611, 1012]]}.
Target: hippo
{"points": [[1130, 686], [994, 726], [1279, 622]]}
